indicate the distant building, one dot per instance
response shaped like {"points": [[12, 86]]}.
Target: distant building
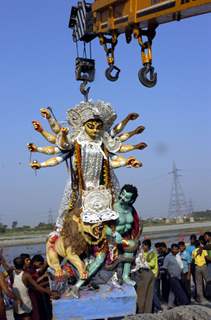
{"points": [[179, 220]]}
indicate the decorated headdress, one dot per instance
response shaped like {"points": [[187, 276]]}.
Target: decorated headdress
{"points": [[85, 111]]}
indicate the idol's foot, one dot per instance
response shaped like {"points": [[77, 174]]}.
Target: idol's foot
{"points": [[115, 281], [128, 281], [72, 292]]}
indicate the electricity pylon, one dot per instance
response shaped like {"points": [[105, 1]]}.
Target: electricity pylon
{"points": [[177, 203], [50, 217]]}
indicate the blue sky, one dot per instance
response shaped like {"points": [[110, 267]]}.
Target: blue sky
{"points": [[37, 69]]}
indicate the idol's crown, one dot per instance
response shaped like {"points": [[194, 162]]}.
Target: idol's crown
{"points": [[85, 111]]}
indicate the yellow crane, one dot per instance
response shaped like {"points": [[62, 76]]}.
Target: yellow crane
{"points": [[107, 19]]}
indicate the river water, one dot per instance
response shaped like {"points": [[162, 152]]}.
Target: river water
{"points": [[11, 252]]}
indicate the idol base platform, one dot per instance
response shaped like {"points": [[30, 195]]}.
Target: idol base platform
{"points": [[107, 302]]}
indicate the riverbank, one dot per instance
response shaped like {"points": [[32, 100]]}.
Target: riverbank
{"points": [[163, 232]]}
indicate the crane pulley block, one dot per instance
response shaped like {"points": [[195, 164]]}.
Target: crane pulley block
{"points": [[85, 69], [81, 21]]}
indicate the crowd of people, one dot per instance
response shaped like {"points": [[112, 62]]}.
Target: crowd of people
{"points": [[25, 286], [174, 276], [171, 276]]}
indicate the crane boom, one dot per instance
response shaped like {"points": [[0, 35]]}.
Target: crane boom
{"points": [[118, 15]]}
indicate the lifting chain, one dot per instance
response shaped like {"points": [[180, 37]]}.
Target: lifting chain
{"points": [[112, 41], [146, 75]]}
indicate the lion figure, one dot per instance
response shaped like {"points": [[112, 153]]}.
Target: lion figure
{"points": [[74, 240]]}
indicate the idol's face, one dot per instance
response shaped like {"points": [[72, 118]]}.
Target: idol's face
{"points": [[93, 128], [125, 197]]}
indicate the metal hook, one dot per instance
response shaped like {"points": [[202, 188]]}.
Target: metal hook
{"points": [[108, 72], [142, 75], [84, 91]]}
